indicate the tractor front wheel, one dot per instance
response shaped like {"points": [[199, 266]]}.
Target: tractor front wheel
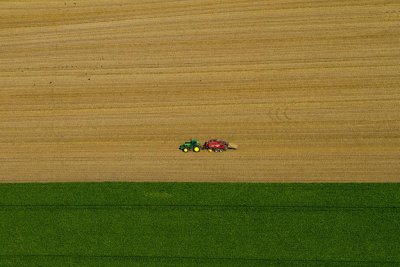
{"points": [[185, 150]]}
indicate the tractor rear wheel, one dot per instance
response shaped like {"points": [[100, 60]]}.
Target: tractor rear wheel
{"points": [[196, 149]]}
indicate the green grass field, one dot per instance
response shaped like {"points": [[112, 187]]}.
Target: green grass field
{"points": [[189, 224]]}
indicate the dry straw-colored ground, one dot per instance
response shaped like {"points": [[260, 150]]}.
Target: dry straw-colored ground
{"points": [[107, 90]]}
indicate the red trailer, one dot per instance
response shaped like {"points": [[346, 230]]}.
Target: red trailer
{"points": [[218, 145]]}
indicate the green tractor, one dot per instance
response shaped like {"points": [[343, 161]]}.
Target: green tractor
{"points": [[193, 145]]}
